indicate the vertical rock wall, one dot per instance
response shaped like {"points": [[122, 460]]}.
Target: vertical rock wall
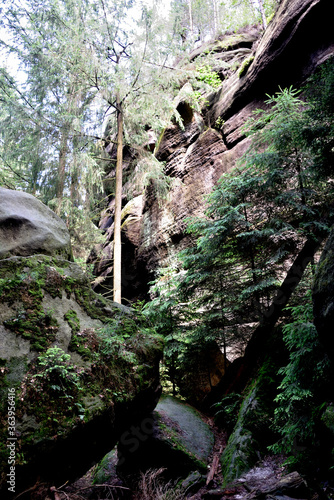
{"points": [[297, 40]]}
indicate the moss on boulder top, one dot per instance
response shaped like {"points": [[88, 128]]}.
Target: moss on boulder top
{"points": [[183, 428], [77, 379]]}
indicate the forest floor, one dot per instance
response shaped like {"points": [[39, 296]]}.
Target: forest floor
{"points": [[260, 479]]}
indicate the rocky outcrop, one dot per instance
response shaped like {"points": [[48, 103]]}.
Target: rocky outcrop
{"points": [[267, 481], [28, 227], [70, 381], [297, 40]]}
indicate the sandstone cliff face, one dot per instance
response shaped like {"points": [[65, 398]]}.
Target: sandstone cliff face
{"points": [[297, 40]]}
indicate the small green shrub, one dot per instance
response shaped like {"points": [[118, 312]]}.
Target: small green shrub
{"points": [[207, 75], [56, 373]]}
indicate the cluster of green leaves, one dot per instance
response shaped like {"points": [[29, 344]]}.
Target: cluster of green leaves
{"points": [[149, 172], [57, 374], [207, 75], [302, 392], [123, 327]]}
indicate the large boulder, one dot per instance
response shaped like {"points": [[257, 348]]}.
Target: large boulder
{"points": [[174, 437], [72, 383], [29, 227]]}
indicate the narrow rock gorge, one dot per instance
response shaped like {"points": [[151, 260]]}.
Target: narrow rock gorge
{"points": [[213, 378]]}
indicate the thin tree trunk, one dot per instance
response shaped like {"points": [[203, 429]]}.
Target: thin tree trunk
{"points": [[263, 16], [256, 347], [258, 4], [118, 204], [62, 168], [215, 17]]}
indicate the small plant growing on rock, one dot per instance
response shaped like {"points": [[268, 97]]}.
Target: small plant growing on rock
{"points": [[57, 373], [207, 75], [227, 410]]}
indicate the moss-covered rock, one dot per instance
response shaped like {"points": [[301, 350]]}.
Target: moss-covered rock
{"points": [[251, 434], [175, 437], [105, 471], [182, 427], [75, 384], [240, 453], [245, 65]]}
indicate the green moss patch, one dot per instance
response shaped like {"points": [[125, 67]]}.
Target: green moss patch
{"points": [[184, 428], [245, 65]]}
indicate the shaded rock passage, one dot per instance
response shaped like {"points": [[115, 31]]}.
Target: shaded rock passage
{"points": [[267, 480], [299, 38]]}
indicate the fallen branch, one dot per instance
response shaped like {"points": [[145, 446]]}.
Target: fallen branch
{"points": [[213, 468]]}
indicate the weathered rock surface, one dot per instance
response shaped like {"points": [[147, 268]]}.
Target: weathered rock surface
{"points": [[323, 297], [175, 437], [251, 432], [267, 480], [297, 40], [69, 417], [28, 227]]}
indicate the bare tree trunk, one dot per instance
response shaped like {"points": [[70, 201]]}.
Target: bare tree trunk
{"points": [[61, 168], [118, 204], [263, 16], [258, 5]]}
